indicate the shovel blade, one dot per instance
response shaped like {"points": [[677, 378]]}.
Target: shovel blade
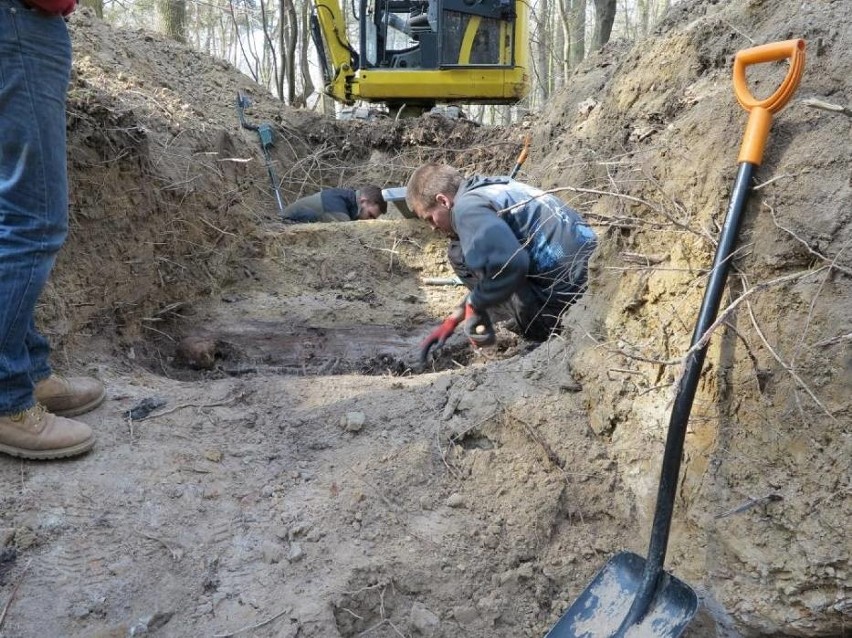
{"points": [[604, 604]]}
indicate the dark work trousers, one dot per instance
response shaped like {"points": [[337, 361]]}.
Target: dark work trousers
{"points": [[534, 311]]}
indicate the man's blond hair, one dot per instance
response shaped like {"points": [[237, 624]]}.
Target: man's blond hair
{"points": [[428, 181]]}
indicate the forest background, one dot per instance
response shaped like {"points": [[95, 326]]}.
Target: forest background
{"points": [[269, 40]]}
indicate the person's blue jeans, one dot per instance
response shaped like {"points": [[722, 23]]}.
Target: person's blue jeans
{"points": [[35, 67]]}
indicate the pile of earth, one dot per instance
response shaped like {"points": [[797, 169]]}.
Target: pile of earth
{"points": [[310, 481]]}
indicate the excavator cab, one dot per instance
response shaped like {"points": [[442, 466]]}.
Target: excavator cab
{"points": [[417, 53]]}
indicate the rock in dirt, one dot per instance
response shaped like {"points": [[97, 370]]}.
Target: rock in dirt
{"points": [[148, 625], [213, 455], [455, 500], [353, 421], [296, 553], [465, 614], [423, 620]]}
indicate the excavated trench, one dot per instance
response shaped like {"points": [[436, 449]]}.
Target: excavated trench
{"points": [[265, 347], [324, 300]]}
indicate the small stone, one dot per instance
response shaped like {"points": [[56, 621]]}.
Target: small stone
{"points": [[491, 542], [424, 621], [80, 611], [569, 384], [353, 421], [465, 614], [296, 553], [214, 455], [455, 500]]}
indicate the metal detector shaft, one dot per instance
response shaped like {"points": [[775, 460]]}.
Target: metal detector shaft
{"points": [[264, 132]]}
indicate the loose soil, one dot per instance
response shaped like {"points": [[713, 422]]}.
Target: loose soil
{"points": [[303, 475]]}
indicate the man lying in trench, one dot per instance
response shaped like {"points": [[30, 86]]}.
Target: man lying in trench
{"points": [[337, 205], [517, 249]]}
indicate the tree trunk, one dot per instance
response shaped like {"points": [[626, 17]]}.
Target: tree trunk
{"points": [[95, 5], [564, 28], [292, 26], [578, 31], [304, 58], [277, 77], [558, 60], [644, 17], [542, 53], [173, 18], [604, 18]]}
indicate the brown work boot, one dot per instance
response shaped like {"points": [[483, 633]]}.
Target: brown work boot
{"points": [[38, 434], [69, 396]]}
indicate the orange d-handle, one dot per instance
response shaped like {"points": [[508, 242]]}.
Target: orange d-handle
{"points": [[760, 111]]}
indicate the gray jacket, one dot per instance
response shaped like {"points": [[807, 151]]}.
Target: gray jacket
{"points": [[513, 234]]}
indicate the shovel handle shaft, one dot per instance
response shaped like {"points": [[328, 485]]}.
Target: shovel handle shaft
{"points": [[761, 111], [757, 132], [522, 156]]}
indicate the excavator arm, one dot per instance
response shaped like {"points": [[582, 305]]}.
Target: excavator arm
{"points": [[338, 59]]}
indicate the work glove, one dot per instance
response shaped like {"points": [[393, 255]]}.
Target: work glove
{"points": [[478, 327], [439, 335]]}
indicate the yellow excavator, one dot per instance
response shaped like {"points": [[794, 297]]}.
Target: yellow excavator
{"points": [[418, 53]]}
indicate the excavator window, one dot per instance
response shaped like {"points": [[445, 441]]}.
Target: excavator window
{"points": [[432, 34]]}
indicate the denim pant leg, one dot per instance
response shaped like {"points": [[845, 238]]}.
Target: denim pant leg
{"points": [[35, 64]]}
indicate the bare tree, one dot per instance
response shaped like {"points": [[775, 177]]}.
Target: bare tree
{"points": [[172, 14], [604, 19], [304, 57], [578, 31], [542, 52], [290, 20]]}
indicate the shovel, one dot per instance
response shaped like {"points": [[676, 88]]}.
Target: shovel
{"points": [[631, 596]]}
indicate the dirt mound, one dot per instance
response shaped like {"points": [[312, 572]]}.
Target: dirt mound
{"points": [[306, 480], [648, 141]]}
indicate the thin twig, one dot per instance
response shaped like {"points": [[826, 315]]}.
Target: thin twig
{"points": [[786, 367], [721, 318], [193, 405], [216, 228], [827, 106], [815, 253], [748, 504], [257, 626], [833, 340], [757, 187]]}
